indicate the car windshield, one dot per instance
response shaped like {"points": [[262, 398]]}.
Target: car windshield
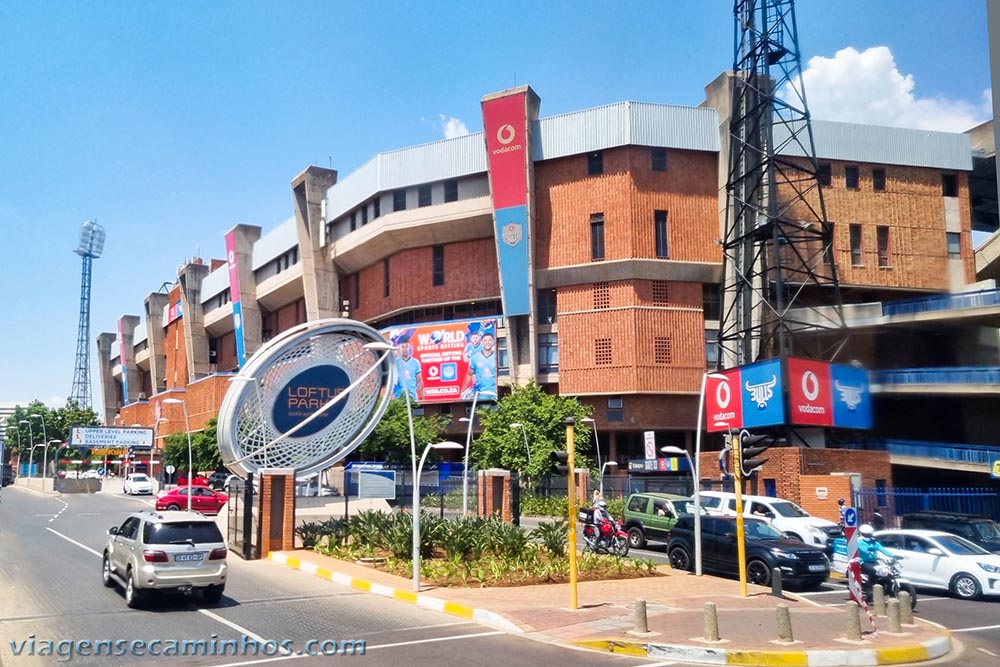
{"points": [[180, 532], [989, 531], [684, 506], [139, 478], [758, 530], [789, 509], [960, 546]]}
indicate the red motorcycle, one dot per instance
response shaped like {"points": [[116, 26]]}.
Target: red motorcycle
{"points": [[606, 538]]}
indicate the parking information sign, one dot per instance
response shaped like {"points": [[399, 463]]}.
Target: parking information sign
{"points": [[650, 440], [111, 437], [851, 536]]}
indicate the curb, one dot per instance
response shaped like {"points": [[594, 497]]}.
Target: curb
{"points": [[927, 650], [483, 616]]}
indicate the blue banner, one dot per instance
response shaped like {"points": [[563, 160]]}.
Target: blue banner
{"points": [[512, 255], [763, 400], [852, 405]]}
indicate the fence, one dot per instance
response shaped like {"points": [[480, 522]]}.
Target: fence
{"points": [[893, 503]]}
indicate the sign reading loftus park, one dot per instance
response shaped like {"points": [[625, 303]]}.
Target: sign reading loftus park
{"points": [[110, 436], [801, 392]]}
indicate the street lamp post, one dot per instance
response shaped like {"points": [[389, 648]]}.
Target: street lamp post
{"points": [[416, 508], [597, 443], [697, 468], [45, 452], [32, 455], [670, 449], [152, 448], [31, 443], [468, 442], [607, 464], [55, 468], [187, 428], [524, 432]]}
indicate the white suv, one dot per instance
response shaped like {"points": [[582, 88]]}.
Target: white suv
{"points": [[177, 551], [137, 482], [783, 515]]}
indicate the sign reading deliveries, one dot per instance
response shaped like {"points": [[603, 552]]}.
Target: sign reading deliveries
{"points": [[111, 437]]}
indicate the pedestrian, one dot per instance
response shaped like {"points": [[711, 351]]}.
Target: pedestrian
{"points": [[843, 510]]}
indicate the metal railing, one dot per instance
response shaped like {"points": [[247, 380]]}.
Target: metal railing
{"points": [[937, 302], [894, 503], [954, 375], [946, 451]]}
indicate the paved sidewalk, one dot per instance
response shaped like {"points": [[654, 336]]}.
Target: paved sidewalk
{"points": [[675, 602]]}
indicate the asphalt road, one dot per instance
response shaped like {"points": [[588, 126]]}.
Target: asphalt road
{"points": [[50, 590]]}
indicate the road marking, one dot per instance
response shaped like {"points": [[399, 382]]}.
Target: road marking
{"points": [[981, 627], [987, 651], [72, 541], [234, 626]]}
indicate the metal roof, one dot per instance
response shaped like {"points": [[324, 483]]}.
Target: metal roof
{"points": [[274, 244]]}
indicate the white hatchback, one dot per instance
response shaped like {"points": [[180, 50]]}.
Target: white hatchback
{"points": [[934, 559], [138, 483]]}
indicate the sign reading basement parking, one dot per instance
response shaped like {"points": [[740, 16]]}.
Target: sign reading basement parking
{"points": [[111, 436]]}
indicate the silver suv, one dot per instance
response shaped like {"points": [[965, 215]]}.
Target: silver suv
{"points": [[177, 551]]}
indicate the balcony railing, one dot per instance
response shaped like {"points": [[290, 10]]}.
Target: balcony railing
{"points": [[956, 375], [946, 451], [927, 304]]}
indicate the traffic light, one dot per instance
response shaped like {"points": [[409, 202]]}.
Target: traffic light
{"points": [[560, 461], [749, 450]]}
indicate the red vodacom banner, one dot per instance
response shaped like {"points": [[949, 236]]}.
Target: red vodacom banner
{"points": [[809, 398], [505, 128], [723, 406]]}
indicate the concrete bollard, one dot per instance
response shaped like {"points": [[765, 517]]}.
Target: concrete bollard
{"points": [[641, 624], [853, 622], [776, 583], [878, 600], [784, 624], [711, 622], [894, 625], [905, 608]]}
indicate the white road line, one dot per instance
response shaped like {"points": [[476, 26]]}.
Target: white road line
{"points": [[238, 628], [981, 627], [72, 541], [657, 664], [987, 651]]}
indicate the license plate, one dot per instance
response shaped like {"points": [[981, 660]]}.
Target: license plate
{"points": [[817, 568], [191, 557]]}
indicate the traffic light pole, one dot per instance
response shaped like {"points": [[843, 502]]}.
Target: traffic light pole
{"points": [[741, 547], [571, 505]]}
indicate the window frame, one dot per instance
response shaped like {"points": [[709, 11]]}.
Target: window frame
{"points": [[658, 158], [598, 247], [595, 163], [855, 171], [884, 245], [437, 265], [949, 237], [398, 200], [878, 179], [424, 195], [451, 190], [661, 227], [857, 253]]}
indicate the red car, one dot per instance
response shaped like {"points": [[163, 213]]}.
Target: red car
{"points": [[203, 499], [182, 480]]}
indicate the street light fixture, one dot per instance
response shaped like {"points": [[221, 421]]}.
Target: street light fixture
{"points": [[416, 507], [468, 442], [697, 468], [607, 464], [524, 432], [597, 442], [187, 428], [31, 443], [45, 452]]}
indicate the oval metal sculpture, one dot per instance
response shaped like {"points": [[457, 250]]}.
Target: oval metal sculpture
{"points": [[307, 398]]}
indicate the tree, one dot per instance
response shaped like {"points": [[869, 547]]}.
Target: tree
{"points": [[58, 425], [390, 440], [205, 453], [543, 416]]}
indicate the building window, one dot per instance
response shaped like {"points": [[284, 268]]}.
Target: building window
{"points": [[385, 277], [424, 196], [602, 351], [548, 353], [376, 208], [949, 185], [546, 305], [852, 176], [954, 245], [660, 223], [878, 180], [357, 291], [364, 215], [602, 295], [596, 236], [882, 233], [828, 248], [438, 265], [595, 163], [661, 350], [711, 350], [399, 200], [824, 173], [354, 224], [503, 357], [857, 258], [661, 292], [451, 191], [711, 301], [659, 159]]}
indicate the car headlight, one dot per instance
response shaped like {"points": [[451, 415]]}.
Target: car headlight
{"points": [[785, 554], [816, 531], [988, 567]]}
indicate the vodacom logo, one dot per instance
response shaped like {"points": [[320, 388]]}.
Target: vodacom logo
{"points": [[505, 134], [810, 385], [723, 395]]}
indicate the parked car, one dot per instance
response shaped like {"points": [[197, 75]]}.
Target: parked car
{"points": [[180, 551], [217, 480], [6, 475], [766, 549], [784, 515], [203, 499], [935, 559], [312, 491], [136, 483], [977, 529], [90, 474], [650, 516], [197, 480]]}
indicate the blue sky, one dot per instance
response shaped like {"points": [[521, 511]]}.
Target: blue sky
{"points": [[169, 123]]}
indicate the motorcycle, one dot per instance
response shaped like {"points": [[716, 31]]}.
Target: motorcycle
{"points": [[608, 538], [887, 572]]}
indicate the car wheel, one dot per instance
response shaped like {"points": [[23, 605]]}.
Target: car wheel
{"points": [[758, 572], [965, 586], [133, 596], [213, 594], [680, 559], [173, 507], [109, 581], [636, 539]]}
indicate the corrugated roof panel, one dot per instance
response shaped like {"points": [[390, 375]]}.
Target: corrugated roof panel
{"points": [[581, 132], [275, 243], [353, 189], [691, 128], [140, 333], [885, 145], [437, 161], [215, 283]]}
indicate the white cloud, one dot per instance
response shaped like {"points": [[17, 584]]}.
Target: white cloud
{"points": [[452, 127], [867, 87]]}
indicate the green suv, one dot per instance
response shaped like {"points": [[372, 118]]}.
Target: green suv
{"points": [[650, 516]]}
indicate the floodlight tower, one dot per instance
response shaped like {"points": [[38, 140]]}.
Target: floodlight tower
{"points": [[90, 248], [780, 292]]}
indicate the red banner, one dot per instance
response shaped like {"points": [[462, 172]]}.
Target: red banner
{"points": [[809, 398], [723, 406], [505, 126]]}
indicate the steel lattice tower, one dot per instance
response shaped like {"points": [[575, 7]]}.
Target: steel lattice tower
{"points": [[90, 248], [780, 294]]}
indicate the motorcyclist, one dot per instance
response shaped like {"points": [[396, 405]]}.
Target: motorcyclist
{"points": [[869, 550], [602, 515]]}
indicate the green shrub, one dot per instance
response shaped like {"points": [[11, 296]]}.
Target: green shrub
{"points": [[553, 536], [310, 532], [536, 505]]}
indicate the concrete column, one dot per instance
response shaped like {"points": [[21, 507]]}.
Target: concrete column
{"points": [[319, 278], [193, 314], [132, 376], [155, 303], [246, 236], [109, 386]]}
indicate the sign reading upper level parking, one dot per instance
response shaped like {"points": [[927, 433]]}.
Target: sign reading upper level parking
{"points": [[111, 436]]}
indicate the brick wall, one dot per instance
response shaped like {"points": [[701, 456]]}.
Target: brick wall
{"points": [[820, 494]]}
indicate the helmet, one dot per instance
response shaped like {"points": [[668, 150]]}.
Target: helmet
{"points": [[601, 503], [841, 501], [866, 530]]}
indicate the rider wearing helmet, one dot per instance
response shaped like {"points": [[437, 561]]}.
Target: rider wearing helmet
{"points": [[869, 549], [602, 515]]}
